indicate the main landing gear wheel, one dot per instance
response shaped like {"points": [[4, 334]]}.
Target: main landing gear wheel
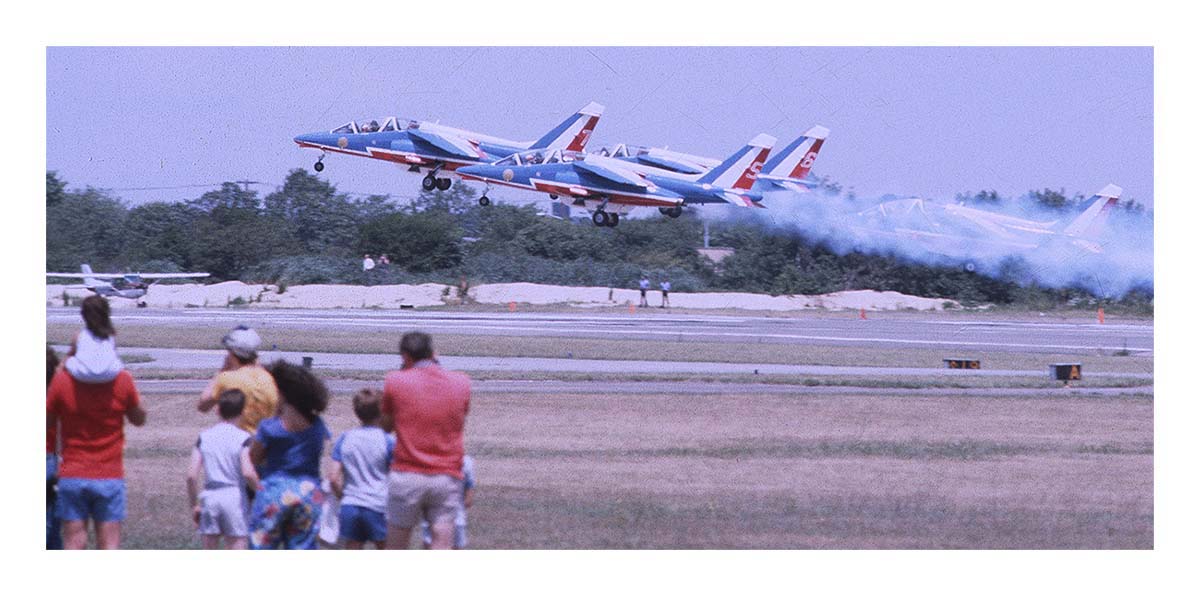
{"points": [[141, 304], [443, 183], [671, 212], [600, 218], [318, 166], [484, 201], [613, 219], [429, 182]]}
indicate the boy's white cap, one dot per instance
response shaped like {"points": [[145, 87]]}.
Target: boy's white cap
{"points": [[242, 341]]}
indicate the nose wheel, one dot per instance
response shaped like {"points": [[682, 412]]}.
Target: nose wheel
{"points": [[319, 166], [484, 201]]}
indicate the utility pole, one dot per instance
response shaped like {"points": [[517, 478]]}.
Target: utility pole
{"points": [[246, 184]]}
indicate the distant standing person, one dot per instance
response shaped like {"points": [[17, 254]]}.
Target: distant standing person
{"points": [[427, 407], [222, 508], [383, 260], [91, 479], [361, 458], [287, 449], [368, 263], [644, 286], [665, 286], [241, 371]]}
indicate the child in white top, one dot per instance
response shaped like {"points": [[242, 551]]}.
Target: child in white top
{"points": [[93, 356]]}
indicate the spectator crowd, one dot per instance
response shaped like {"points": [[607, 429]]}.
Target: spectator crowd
{"points": [[255, 477]]}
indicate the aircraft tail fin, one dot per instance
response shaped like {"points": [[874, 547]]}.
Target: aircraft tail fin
{"points": [[1089, 223], [573, 133], [797, 158], [88, 280], [740, 170]]}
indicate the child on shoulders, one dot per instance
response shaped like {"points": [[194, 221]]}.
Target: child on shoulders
{"points": [[93, 356]]}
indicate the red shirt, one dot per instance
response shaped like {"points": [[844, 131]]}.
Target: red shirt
{"points": [[428, 406], [93, 424]]}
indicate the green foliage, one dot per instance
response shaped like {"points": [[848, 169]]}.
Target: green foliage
{"points": [[306, 232], [983, 198], [303, 269], [84, 227], [1051, 199], [418, 242]]}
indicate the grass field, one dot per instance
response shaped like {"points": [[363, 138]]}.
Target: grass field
{"points": [[747, 471]]}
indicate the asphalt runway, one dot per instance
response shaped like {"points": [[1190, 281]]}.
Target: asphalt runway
{"points": [[878, 330], [185, 359], [343, 386]]}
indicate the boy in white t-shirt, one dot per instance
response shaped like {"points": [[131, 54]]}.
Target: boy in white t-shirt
{"points": [[223, 508], [93, 356]]}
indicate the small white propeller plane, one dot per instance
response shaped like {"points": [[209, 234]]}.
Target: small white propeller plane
{"points": [[121, 285]]}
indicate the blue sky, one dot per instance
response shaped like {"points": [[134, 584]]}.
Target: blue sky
{"points": [[928, 122]]}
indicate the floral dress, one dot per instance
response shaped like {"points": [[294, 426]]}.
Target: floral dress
{"points": [[286, 512]]}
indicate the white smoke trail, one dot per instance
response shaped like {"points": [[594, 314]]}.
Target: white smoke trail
{"points": [[1118, 259]]}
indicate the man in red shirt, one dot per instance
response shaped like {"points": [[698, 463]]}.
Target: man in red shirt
{"points": [[91, 478], [427, 407]]}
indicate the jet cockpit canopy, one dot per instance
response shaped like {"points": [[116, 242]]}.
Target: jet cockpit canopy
{"points": [[534, 157]]}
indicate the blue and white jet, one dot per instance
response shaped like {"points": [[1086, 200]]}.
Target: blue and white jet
{"points": [[436, 148], [610, 188], [787, 169]]}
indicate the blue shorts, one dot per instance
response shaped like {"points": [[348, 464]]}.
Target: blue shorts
{"points": [[81, 499], [359, 524]]}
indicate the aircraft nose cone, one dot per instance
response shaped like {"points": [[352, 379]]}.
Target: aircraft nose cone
{"points": [[312, 138]]}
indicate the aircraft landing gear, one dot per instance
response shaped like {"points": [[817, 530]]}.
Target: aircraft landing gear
{"points": [[969, 267], [141, 304], [429, 182], [671, 212], [553, 197], [319, 166], [443, 183], [484, 201], [604, 219]]}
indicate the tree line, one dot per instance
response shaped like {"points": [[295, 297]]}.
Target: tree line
{"points": [[307, 232]]}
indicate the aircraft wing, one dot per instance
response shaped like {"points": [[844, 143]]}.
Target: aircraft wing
{"points": [[613, 174], [169, 275], [788, 183], [675, 165], [739, 200], [446, 143], [86, 275]]}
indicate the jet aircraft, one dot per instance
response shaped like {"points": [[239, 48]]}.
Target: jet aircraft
{"points": [[436, 148], [787, 169], [962, 232], [122, 285], [598, 182]]}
